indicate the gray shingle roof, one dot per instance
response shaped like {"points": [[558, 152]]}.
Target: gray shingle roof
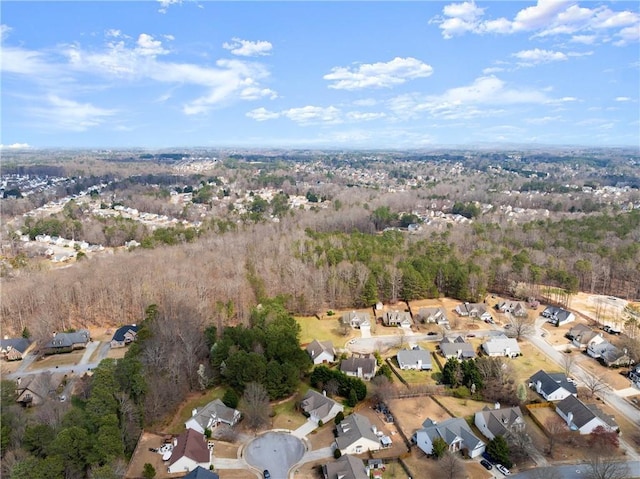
{"points": [[551, 382], [352, 428]]}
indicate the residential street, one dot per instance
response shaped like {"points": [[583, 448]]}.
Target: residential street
{"points": [[578, 471]]}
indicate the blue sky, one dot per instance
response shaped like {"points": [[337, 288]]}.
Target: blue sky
{"points": [[319, 74]]}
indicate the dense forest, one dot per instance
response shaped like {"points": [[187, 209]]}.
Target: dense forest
{"points": [[322, 261]]}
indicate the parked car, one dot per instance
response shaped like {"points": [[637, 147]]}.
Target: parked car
{"points": [[503, 469], [487, 465], [266, 474]]}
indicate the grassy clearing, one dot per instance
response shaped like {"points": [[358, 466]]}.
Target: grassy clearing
{"points": [[286, 415], [65, 359], [322, 329], [531, 361]]}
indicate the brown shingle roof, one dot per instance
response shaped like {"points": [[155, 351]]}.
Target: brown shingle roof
{"points": [[192, 445]]}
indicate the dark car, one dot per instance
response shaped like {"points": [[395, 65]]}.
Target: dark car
{"points": [[487, 465], [266, 474]]}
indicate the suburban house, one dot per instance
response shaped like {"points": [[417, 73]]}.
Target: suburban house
{"points": [[321, 351], [501, 346], [474, 310], [457, 348], [361, 367], [595, 349], [190, 450], [455, 432], [201, 473], [416, 358], [615, 357], [397, 318], [634, 375], [34, 390], [357, 319], [516, 308], [609, 354], [433, 315], [558, 316], [12, 349], [582, 335], [319, 407], [552, 386], [124, 335], [67, 342], [499, 422], [584, 417], [356, 435], [211, 415], [346, 467]]}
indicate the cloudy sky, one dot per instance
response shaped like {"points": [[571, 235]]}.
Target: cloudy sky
{"points": [[319, 74]]}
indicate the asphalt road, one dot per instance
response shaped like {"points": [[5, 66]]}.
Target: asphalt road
{"points": [[578, 471], [276, 452]]}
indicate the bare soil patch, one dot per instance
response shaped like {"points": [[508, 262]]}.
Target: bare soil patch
{"points": [[143, 455], [389, 429], [410, 413]]}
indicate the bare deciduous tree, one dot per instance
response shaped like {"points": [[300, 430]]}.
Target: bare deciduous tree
{"points": [[255, 405], [520, 325], [451, 467], [594, 383], [568, 363], [601, 467], [555, 428]]}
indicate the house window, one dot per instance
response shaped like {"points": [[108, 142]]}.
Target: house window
{"points": [[358, 449]]}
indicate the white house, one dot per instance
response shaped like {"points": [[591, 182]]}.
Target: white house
{"points": [[356, 435], [474, 310], [501, 346], [558, 316], [436, 315], [584, 417], [190, 450], [211, 415], [552, 386], [418, 359], [321, 351], [397, 318], [499, 422], [359, 367], [455, 432]]}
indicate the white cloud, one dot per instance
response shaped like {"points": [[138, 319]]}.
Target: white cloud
{"points": [[486, 96], [165, 4], [228, 80], [537, 56], [64, 114], [490, 70], [546, 18], [15, 146], [378, 75], [364, 116], [147, 46], [262, 114], [542, 120], [623, 98], [113, 33], [246, 48], [366, 102], [313, 114], [584, 39], [4, 31]]}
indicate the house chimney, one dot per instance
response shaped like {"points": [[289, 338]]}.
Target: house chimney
{"points": [[496, 405], [175, 442], [194, 411], [324, 392], [569, 419]]}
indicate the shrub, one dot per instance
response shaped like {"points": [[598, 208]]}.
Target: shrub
{"points": [[337, 454], [339, 417]]}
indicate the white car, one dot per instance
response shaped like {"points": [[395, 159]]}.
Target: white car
{"points": [[351, 341], [503, 469]]}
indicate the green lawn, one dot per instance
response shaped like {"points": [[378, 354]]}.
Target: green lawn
{"points": [[322, 329]]}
